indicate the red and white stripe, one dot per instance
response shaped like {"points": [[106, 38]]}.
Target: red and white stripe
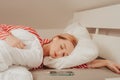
{"points": [[5, 31], [45, 41], [82, 66], [3, 34]]}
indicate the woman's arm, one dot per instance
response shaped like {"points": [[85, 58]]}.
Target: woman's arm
{"points": [[6, 35], [98, 63], [14, 42], [3, 32], [9, 38]]}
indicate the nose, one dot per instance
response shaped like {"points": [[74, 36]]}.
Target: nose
{"points": [[60, 54]]}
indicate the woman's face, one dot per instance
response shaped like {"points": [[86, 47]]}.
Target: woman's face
{"points": [[60, 48]]}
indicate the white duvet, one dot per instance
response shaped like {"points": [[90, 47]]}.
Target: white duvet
{"points": [[16, 73], [29, 57]]}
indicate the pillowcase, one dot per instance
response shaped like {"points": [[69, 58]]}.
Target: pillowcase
{"points": [[77, 30], [109, 47], [85, 51]]}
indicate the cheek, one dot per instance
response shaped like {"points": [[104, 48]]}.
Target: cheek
{"points": [[53, 49], [70, 49]]}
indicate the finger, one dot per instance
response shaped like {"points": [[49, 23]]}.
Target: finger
{"points": [[14, 45], [115, 69], [18, 46], [118, 67], [22, 45]]}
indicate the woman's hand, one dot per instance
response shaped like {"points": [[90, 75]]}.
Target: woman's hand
{"points": [[113, 66], [98, 63], [14, 42]]}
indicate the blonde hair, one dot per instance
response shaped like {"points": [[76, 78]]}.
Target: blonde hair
{"points": [[69, 37]]}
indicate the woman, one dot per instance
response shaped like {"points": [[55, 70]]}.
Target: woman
{"points": [[60, 46]]}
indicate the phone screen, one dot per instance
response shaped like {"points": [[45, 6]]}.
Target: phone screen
{"points": [[61, 73]]}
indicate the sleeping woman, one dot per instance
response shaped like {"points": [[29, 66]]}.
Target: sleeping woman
{"points": [[20, 45], [62, 45]]}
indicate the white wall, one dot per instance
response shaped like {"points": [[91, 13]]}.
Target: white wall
{"points": [[35, 13], [45, 13], [100, 17], [49, 33], [105, 17]]}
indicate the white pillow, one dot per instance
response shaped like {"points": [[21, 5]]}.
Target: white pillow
{"points": [[77, 30], [84, 51], [109, 47]]}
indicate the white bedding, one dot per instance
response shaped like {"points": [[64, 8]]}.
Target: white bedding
{"points": [[30, 57], [16, 73]]}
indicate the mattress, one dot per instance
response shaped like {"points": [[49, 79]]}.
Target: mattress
{"points": [[77, 74]]}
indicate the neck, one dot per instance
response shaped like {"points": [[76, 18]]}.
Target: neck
{"points": [[46, 48]]}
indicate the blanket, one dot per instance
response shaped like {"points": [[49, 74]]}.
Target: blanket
{"points": [[29, 57]]}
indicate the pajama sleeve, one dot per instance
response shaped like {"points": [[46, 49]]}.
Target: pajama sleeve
{"points": [[82, 66], [3, 35], [3, 32]]}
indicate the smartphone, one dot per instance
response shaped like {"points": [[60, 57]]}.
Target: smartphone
{"points": [[61, 73]]}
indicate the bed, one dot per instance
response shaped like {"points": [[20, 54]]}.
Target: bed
{"points": [[109, 27]]}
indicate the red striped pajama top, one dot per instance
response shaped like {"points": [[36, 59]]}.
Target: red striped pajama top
{"points": [[5, 31]]}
